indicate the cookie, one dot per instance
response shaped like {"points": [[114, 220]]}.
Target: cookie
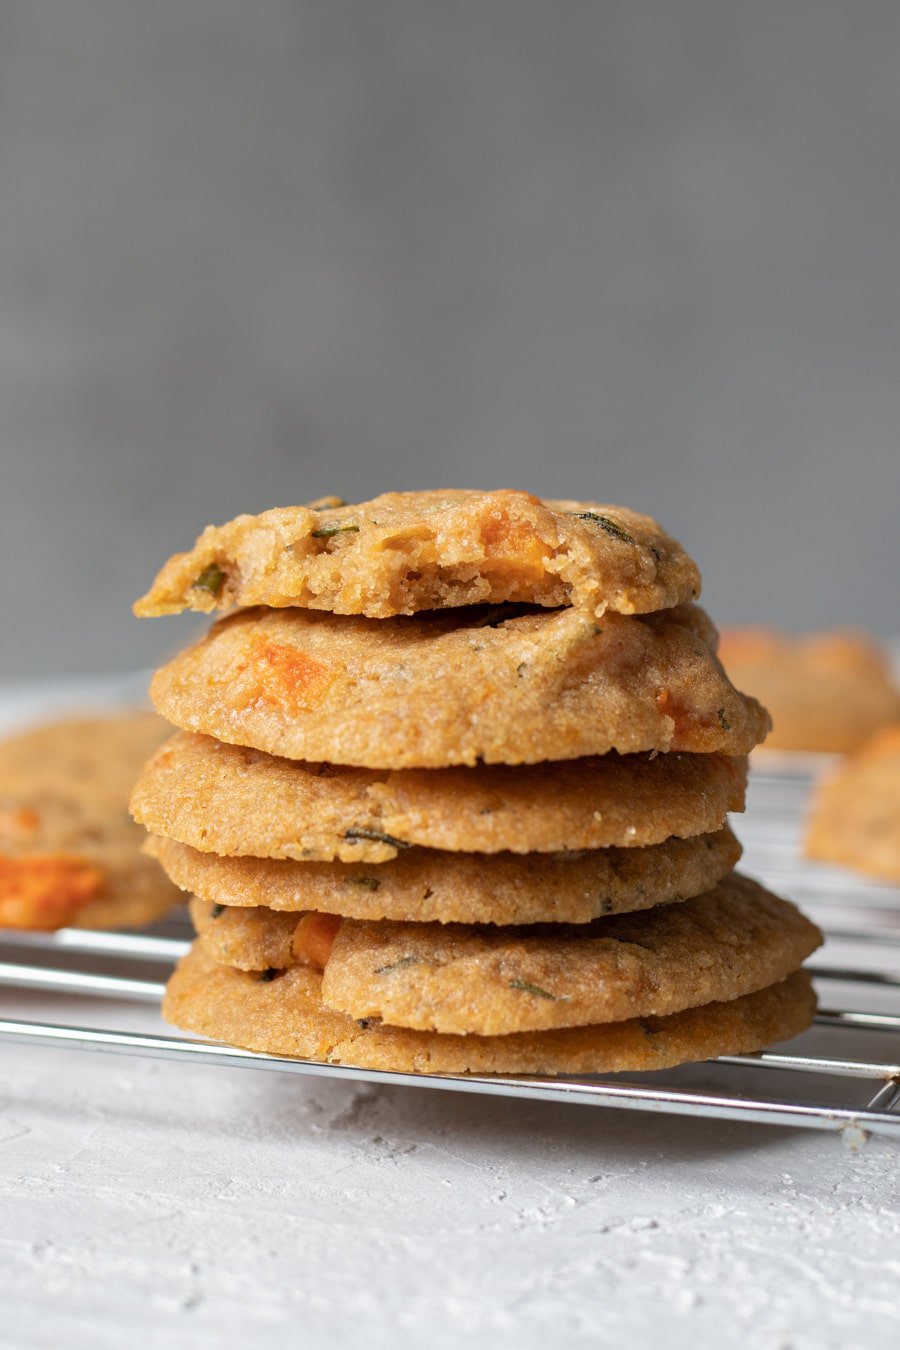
{"points": [[286, 1016], [459, 687], [248, 939], [223, 799], [69, 853], [459, 979], [426, 885], [411, 551], [731, 941], [825, 692], [855, 817]]}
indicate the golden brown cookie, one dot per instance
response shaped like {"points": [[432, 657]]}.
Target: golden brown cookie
{"points": [[248, 939], [231, 801], [459, 687], [69, 853], [427, 885], [486, 981], [825, 692], [411, 551], [286, 1016], [855, 818], [453, 979]]}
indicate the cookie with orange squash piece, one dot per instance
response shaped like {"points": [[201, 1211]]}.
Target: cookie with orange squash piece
{"points": [[459, 687], [285, 1015], [404, 552], [69, 853], [461, 979]]}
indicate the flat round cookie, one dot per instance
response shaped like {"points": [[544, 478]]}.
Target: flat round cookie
{"points": [[410, 551], [235, 802], [464, 980], [459, 687], [286, 1016], [428, 885], [69, 853], [731, 941], [826, 692], [855, 817]]}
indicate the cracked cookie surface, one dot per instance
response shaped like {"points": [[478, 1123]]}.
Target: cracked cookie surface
{"points": [[404, 552]]}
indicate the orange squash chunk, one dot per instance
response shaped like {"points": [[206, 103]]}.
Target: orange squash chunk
{"points": [[513, 546], [45, 892], [282, 677], [314, 937]]}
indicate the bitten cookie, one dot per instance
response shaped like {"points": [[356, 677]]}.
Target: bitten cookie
{"points": [[410, 551]]}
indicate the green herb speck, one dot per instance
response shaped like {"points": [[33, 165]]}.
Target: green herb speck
{"points": [[531, 989], [333, 527], [367, 883], [723, 719], [605, 523], [211, 579], [377, 837], [397, 965]]}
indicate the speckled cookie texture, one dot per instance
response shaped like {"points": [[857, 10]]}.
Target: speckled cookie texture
{"points": [[732, 941], [825, 692], [224, 799], [409, 551], [69, 853], [286, 1016], [427, 885], [459, 688], [855, 816], [458, 979]]}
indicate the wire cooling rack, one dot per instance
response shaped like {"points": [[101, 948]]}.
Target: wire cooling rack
{"points": [[843, 1075]]}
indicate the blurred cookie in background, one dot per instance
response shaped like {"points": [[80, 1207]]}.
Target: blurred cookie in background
{"points": [[855, 818], [70, 854], [826, 692]]}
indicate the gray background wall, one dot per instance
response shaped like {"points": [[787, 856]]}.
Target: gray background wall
{"points": [[250, 253]]}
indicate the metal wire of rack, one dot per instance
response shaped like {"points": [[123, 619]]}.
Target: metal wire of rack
{"points": [[842, 1076]]}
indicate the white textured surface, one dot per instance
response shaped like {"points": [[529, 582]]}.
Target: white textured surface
{"points": [[192, 1202], [156, 1204]]}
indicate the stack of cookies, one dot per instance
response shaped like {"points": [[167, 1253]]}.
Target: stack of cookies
{"points": [[450, 789]]}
